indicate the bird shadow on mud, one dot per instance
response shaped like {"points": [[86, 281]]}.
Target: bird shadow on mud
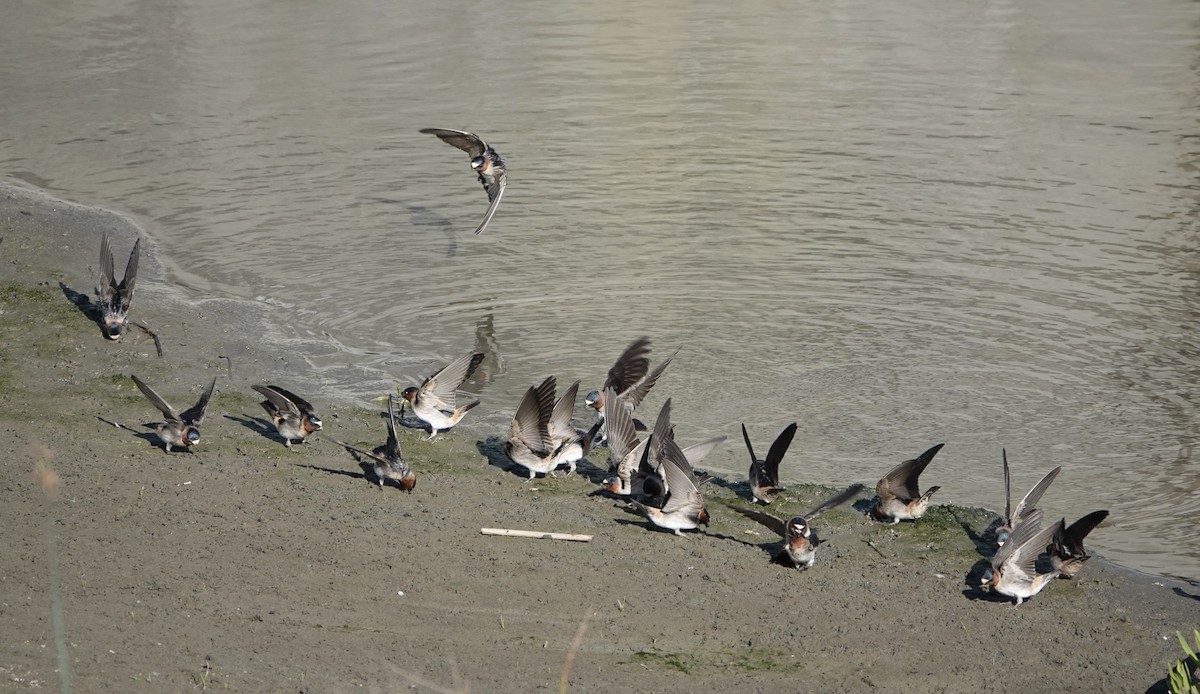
{"points": [[84, 303], [985, 548], [150, 437], [367, 471], [492, 448], [257, 425]]}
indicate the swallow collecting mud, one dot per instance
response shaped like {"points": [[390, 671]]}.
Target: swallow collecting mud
{"points": [[569, 445], [433, 401], [684, 505], [529, 442], [115, 298], [1012, 516], [181, 429], [386, 461], [1013, 572], [292, 415], [1066, 545], [764, 474], [799, 539], [899, 496], [484, 160]]}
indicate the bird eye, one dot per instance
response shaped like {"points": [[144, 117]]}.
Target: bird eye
{"points": [[314, 420]]}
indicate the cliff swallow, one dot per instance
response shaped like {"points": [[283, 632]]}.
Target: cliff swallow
{"points": [[764, 474], [799, 540], [684, 505], [293, 416], [115, 298], [630, 377], [1013, 516], [181, 429], [433, 401], [484, 160], [529, 443], [1066, 546], [1013, 572], [387, 463], [899, 496], [625, 451], [569, 445]]}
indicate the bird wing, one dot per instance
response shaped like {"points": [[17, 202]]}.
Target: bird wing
{"points": [[281, 401], [156, 399], [302, 404], [698, 452], [622, 436], [769, 476], [467, 142], [1073, 536], [131, 268], [560, 417], [393, 441], [495, 190], [1035, 495], [442, 387], [1026, 529], [638, 391], [530, 425], [107, 286], [778, 525], [836, 500], [195, 414], [631, 367]]}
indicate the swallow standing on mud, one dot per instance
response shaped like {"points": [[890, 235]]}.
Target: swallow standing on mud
{"points": [[799, 540], [115, 298], [684, 505], [387, 463], [1013, 516], [630, 377], [293, 416], [654, 482], [624, 448], [1066, 546], [484, 161], [433, 401], [1013, 572], [570, 446], [181, 429], [764, 474], [899, 496], [529, 443]]}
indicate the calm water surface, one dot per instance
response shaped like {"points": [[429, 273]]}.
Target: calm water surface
{"points": [[896, 224]]}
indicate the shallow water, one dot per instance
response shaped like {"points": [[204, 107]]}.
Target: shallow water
{"points": [[896, 225]]}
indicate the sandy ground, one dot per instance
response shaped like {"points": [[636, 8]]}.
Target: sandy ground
{"points": [[248, 567]]}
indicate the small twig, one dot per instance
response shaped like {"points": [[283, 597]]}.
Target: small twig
{"points": [[508, 532], [872, 546], [570, 659], [151, 333], [119, 426]]}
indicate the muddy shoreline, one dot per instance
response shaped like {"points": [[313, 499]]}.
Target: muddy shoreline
{"points": [[248, 567]]}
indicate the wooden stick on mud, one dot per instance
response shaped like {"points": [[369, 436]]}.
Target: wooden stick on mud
{"points": [[509, 532], [157, 343]]}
